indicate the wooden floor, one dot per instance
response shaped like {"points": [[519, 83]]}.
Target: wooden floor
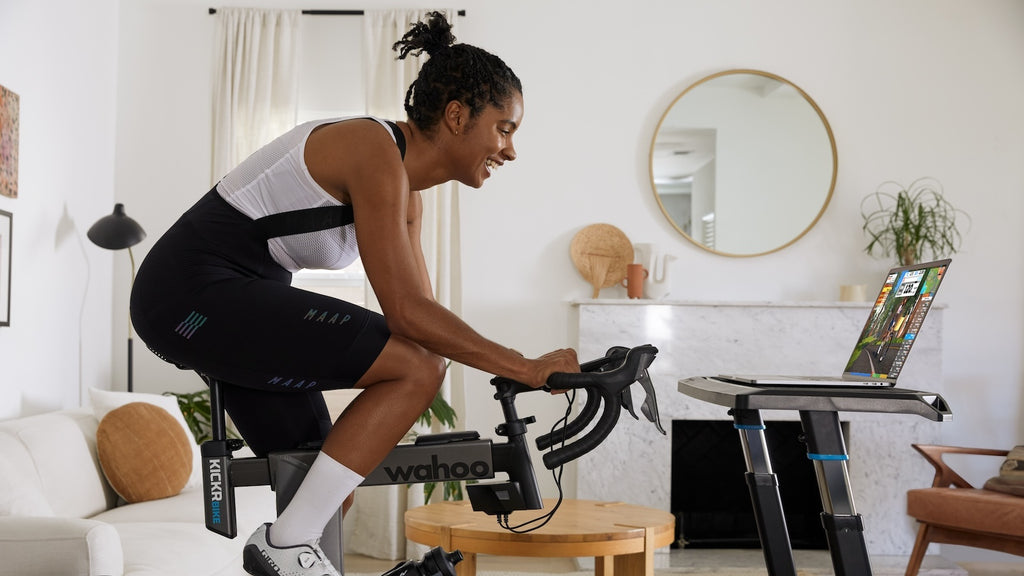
{"points": [[711, 562]]}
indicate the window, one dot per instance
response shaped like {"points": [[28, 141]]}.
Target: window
{"points": [[331, 86]]}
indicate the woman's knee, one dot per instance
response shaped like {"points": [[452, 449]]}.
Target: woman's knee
{"points": [[429, 373], [405, 361]]}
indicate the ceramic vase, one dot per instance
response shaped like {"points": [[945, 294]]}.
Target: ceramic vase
{"points": [[656, 285]]}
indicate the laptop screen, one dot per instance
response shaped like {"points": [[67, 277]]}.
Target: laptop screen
{"points": [[895, 320]]}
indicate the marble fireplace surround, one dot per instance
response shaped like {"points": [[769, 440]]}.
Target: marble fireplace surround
{"points": [[707, 338]]}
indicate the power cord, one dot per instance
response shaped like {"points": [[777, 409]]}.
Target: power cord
{"points": [[570, 397]]}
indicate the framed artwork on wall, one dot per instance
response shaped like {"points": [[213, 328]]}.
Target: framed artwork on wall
{"points": [[8, 143], [6, 225]]}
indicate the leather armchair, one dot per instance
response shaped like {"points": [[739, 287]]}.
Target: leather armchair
{"points": [[952, 511]]}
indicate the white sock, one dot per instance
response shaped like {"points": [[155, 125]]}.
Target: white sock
{"points": [[318, 498]]}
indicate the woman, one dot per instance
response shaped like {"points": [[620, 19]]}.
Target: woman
{"points": [[213, 294]]}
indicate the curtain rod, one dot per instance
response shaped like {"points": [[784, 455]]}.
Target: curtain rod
{"points": [[337, 12]]}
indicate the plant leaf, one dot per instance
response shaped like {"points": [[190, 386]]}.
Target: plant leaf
{"points": [[911, 222]]}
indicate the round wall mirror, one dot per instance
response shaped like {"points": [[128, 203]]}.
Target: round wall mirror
{"points": [[743, 163]]}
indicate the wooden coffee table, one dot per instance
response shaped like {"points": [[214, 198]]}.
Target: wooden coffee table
{"points": [[621, 537]]}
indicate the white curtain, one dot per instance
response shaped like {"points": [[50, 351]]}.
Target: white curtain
{"points": [[387, 80], [255, 82]]}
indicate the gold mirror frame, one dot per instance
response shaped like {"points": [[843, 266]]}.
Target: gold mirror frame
{"points": [[766, 75]]}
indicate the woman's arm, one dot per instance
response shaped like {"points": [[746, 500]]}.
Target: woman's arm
{"points": [[415, 224], [357, 162]]}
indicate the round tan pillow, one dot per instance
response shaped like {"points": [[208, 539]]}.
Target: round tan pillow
{"points": [[144, 452]]}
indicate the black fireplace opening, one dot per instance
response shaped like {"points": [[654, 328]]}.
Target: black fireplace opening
{"points": [[709, 493]]}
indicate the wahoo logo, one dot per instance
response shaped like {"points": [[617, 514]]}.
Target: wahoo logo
{"points": [[438, 471], [326, 316], [190, 324], [435, 458], [215, 488]]}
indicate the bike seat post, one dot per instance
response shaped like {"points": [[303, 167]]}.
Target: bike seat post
{"points": [[218, 488], [217, 418]]}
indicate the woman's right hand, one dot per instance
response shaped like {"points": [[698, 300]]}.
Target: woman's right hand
{"points": [[562, 360]]}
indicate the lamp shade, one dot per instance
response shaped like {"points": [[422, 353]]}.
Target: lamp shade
{"points": [[116, 231]]}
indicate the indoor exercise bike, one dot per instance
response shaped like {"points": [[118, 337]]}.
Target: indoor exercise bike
{"points": [[451, 456]]}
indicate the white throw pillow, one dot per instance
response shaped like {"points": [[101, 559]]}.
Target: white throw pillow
{"points": [[104, 401]]}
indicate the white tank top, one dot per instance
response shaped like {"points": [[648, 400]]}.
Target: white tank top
{"points": [[275, 179]]}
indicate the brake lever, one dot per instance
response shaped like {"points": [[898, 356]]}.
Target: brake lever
{"points": [[609, 394], [626, 401], [650, 405]]}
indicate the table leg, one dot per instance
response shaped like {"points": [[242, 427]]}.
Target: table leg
{"points": [[640, 563], [604, 566], [843, 527], [764, 494], [633, 565]]}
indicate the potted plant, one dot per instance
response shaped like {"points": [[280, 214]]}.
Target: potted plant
{"points": [[195, 407], [911, 222]]}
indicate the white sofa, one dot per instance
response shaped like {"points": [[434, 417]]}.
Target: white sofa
{"points": [[59, 515]]}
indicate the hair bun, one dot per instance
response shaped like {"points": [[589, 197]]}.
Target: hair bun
{"points": [[430, 36]]}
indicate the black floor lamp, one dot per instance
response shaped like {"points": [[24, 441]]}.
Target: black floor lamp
{"points": [[116, 232]]}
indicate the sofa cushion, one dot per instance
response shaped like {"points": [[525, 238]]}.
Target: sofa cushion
{"points": [[969, 508], [65, 546], [50, 453], [143, 451], [158, 549], [103, 401], [19, 496], [254, 505]]}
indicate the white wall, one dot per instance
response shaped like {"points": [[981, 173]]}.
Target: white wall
{"points": [[61, 58], [911, 88]]}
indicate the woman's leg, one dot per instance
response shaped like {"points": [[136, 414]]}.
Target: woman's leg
{"points": [[396, 389], [270, 420]]}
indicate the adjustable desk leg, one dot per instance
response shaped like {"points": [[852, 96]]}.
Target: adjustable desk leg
{"points": [[764, 494], [842, 524]]}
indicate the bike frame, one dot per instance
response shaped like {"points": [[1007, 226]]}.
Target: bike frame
{"points": [[450, 456], [453, 456]]}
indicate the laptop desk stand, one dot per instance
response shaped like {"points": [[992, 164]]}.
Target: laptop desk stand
{"points": [[819, 416]]}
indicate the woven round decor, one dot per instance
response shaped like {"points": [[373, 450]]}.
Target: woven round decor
{"points": [[601, 253], [144, 452]]}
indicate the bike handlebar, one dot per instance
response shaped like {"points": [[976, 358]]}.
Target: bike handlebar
{"points": [[605, 380], [614, 356]]}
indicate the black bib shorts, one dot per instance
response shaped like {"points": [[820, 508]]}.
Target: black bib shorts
{"points": [[209, 296]]}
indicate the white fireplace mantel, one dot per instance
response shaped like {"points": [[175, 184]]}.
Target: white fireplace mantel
{"points": [[708, 338]]}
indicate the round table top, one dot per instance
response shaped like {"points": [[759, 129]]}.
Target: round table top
{"points": [[575, 524]]}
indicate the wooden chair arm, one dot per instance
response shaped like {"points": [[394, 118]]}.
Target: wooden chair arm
{"points": [[944, 475]]}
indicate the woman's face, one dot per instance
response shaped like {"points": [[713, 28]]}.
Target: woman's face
{"points": [[486, 144]]}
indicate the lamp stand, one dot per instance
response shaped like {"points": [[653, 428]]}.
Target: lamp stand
{"points": [[117, 231], [130, 286]]}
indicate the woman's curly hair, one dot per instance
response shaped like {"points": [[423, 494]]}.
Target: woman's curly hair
{"points": [[459, 72]]}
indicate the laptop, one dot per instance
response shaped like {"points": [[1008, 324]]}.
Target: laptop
{"points": [[889, 333]]}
